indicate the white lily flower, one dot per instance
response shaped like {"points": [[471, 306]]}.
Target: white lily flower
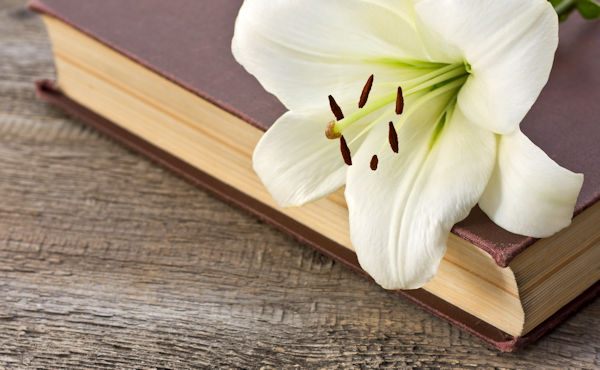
{"points": [[469, 71]]}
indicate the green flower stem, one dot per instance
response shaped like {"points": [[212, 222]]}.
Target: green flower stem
{"points": [[565, 7]]}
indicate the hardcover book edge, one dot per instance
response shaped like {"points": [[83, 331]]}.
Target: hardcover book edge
{"points": [[431, 303]]}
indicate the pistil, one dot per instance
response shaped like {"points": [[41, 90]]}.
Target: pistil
{"points": [[336, 128]]}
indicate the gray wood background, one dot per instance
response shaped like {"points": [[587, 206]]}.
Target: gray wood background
{"points": [[108, 260]]}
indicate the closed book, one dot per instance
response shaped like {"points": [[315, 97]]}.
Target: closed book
{"points": [[160, 78]]}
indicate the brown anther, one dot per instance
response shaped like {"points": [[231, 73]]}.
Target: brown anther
{"points": [[345, 151], [330, 132], [393, 138], [365, 92], [374, 162], [335, 108], [399, 101]]}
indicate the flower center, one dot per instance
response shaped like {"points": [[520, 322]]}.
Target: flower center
{"points": [[449, 77]]}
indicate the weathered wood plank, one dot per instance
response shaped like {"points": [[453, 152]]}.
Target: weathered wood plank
{"points": [[107, 260]]}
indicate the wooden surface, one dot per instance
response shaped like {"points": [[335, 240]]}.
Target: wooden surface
{"points": [[108, 260]]}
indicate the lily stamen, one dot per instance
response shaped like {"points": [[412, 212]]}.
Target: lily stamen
{"points": [[414, 106], [335, 108], [399, 101], [433, 81], [374, 162], [365, 93], [345, 151], [393, 137]]}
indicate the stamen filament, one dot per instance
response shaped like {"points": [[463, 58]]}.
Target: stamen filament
{"points": [[339, 126], [420, 102], [408, 84], [438, 80], [426, 77], [434, 81]]}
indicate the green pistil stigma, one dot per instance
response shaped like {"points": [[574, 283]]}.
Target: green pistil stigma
{"points": [[332, 131]]}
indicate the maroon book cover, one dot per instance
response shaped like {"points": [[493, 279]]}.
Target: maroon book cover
{"points": [[563, 122]]}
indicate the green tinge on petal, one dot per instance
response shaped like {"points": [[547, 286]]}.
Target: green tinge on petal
{"points": [[401, 214], [406, 63]]}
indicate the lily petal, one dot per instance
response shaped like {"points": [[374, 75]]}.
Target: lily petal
{"points": [[296, 162], [510, 47], [401, 214], [528, 192], [302, 51]]}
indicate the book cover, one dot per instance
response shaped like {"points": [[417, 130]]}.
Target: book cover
{"points": [[201, 61]]}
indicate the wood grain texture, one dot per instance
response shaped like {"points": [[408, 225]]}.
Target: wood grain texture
{"points": [[106, 260]]}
